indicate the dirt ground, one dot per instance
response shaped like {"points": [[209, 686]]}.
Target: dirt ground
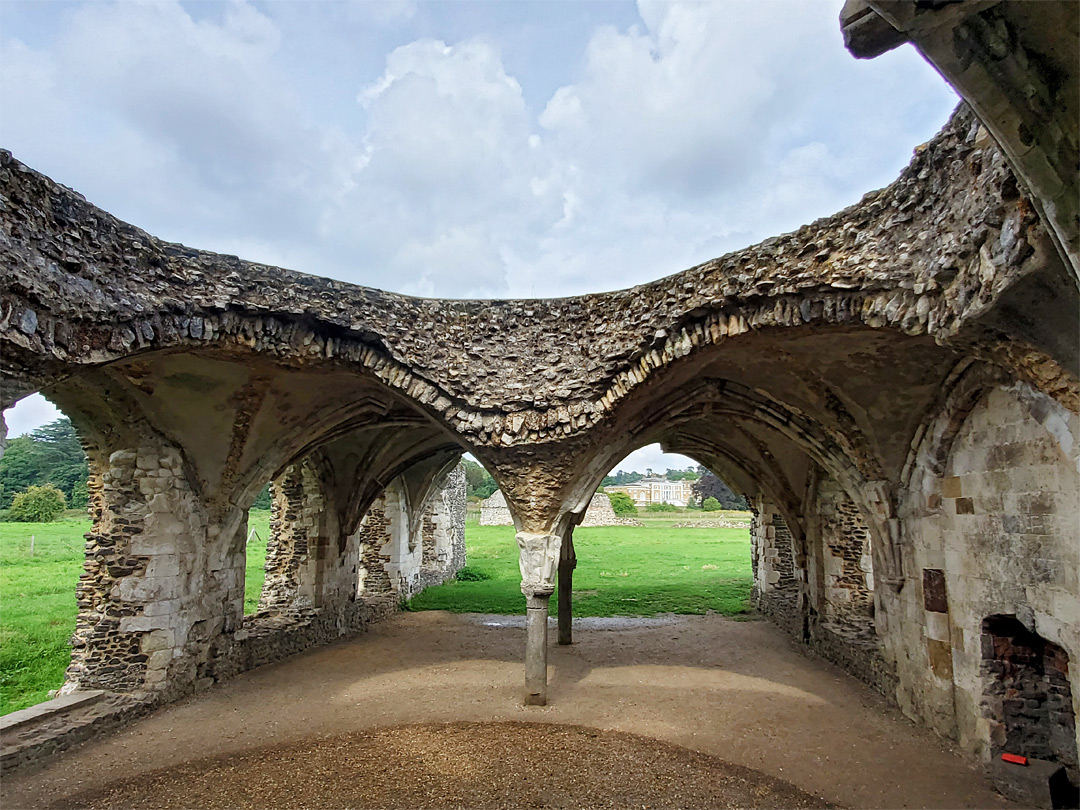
{"points": [[737, 692]]}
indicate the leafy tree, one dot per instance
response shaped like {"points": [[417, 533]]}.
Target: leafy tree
{"points": [[38, 504], [689, 474], [262, 500], [51, 454], [711, 505], [620, 478], [709, 486], [478, 481], [622, 504]]}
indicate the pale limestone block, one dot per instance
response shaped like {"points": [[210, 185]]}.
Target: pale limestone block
{"points": [[142, 624], [158, 661], [147, 589], [162, 607], [159, 503], [163, 565], [937, 625], [152, 544]]}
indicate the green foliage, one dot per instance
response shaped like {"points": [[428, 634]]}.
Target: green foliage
{"points": [[622, 571], [711, 505], [467, 574], [38, 504], [255, 568], [661, 507], [478, 481], [689, 474], [709, 486], [262, 500], [620, 478], [622, 504], [52, 454]]}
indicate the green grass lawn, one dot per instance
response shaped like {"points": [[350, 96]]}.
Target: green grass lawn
{"points": [[622, 571]]}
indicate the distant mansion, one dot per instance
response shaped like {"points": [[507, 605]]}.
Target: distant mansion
{"points": [[656, 490]]}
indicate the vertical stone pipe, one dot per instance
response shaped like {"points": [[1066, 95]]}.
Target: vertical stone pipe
{"points": [[536, 623], [567, 564], [538, 558]]}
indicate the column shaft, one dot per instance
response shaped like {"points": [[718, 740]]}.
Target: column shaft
{"points": [[536, 623], [566, 565]]}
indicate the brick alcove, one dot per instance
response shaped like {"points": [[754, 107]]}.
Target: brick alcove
{"points": [[1027, 694]]}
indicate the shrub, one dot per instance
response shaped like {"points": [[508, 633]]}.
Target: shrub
{"points": [[467, 574], [662, 507], [622, 504], [711, 505], [38, 504]]}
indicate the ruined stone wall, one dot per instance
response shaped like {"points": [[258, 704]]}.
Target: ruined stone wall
{"points": [[400, 555], [992, 532], [776, 585], [160, 580], [444, 532], [820, 593], [847, 569], [494, 512]]}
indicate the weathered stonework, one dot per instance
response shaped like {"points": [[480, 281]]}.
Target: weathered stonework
{"points": [[895, 387], [494, 512]]}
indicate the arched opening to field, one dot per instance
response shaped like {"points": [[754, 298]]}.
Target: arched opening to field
{"points": [[43, 517], [661, 553]]}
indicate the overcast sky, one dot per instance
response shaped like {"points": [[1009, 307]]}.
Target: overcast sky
{"points": [[460, 149]]}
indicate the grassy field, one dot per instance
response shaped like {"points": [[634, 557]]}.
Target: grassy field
{"points": [[622, 571]]}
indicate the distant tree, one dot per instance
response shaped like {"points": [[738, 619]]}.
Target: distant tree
{"points": [[262, 500], [661, 507], [622, 504], [709, 486], [38, 504], [52, 454], [689, 474], [478, 481], [711, 505]]}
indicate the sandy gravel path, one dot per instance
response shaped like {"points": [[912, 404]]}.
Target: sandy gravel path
{"points": [[738, 691]]}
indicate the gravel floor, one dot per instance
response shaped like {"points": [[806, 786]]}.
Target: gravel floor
{"points": [[735, 692], [457, 765]]}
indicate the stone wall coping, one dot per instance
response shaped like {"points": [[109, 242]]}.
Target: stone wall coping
{"points": [[49, 708]]}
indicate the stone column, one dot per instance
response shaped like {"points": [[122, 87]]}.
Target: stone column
{"points": [[567, 564], [538, 559]]}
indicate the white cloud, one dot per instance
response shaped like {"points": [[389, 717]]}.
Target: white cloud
{"points": [[28, 414]]}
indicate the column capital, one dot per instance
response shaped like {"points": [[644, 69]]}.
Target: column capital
{"points": [[538, 559]]}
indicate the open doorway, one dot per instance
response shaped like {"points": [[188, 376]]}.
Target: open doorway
{"points": [[255, 546], [45, 482], [645, 546]]}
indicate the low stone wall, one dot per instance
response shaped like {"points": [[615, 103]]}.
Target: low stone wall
{"points": [[63, 722], [781, 605], [857, 653], [712, 524], [494, 512], [268, 637]]}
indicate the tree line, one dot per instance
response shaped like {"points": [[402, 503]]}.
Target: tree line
{"points": [[49, 457]]}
